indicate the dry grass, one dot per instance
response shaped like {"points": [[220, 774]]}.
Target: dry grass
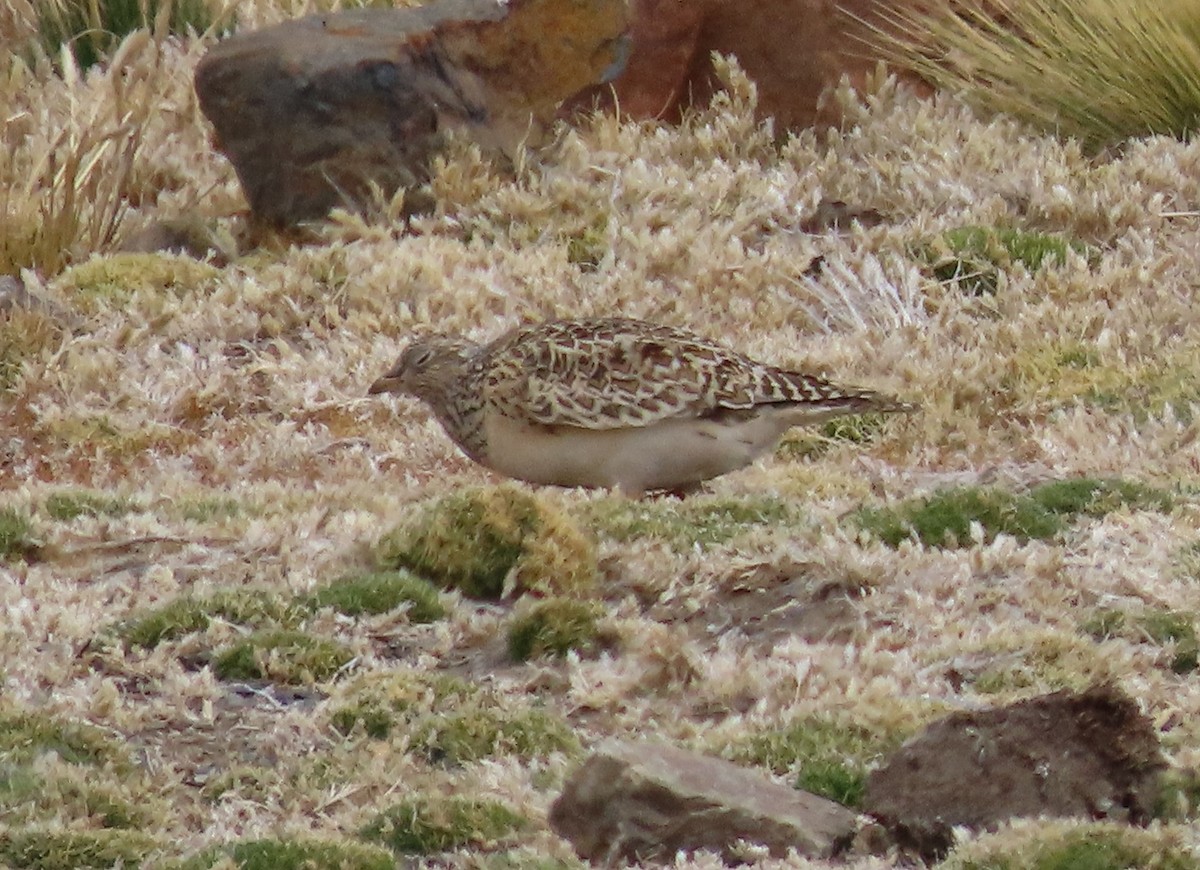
{"points": [[1102, 71], [182, 440]]}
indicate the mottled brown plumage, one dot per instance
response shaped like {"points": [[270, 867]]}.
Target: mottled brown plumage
{"points": [[613, 402]]}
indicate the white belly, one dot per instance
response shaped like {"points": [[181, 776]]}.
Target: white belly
{"points": [[671, 454]]}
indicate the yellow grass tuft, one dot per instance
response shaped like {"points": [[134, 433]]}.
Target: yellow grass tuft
{"points": [[1101, 71]]}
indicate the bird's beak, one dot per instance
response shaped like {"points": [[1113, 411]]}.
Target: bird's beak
{"points": [[386, 384]]}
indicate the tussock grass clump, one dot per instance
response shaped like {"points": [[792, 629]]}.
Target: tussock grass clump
{"points": [[447, 720], [946, 517], [826, 757], [26, 735], [381, 592], [58, 849], [17, 539], [429, 825], [250, 608], [976, 257], [25, 333], [92, 29], [813, 443], [293, 855], [490, 541], [482, 730], [1094, 847], [70, 504], [703, 521], [1101, 71], [282, 655], [1173, 630], [28, 795], [380, 702], [554, 627]]}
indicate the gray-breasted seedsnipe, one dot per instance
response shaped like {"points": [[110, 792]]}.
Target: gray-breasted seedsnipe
{"points": [[613, 402]]}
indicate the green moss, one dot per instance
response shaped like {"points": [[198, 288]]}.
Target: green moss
{"points": [[26, 735], [246, 781], [975, 257], [93, 30], [282, 655], [828, 758], [1179, 796], [381, 592], [58, 849], [1045, 660], [378, 703], [116, 277], [587, 247], [1094, 847], [17, 539], [250, 608], [1172, 629], [479, 730], [945, 518], [27, 795], [427, 826], [481, 540], [204, 510], [67, 505], [25, 335], [554, 627], [703, 521], [811, 444], [294, 855]]}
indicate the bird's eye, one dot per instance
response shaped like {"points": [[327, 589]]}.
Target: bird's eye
{"points": [[420, 357]]}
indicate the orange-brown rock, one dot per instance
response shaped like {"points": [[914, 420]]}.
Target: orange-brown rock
{"points": [[314, 112], [793, 50]]}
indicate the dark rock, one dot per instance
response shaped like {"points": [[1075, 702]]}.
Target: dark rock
{"points": [[647, 801], [315, 112], [1092, 755]]}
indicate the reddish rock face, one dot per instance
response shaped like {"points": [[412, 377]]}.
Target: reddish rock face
{"points": [[792, 49]]}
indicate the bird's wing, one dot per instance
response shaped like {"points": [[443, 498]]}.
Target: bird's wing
{"points": [[615, 373]]}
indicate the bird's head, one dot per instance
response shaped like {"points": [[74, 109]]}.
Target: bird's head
{"points": [[428, 368]]}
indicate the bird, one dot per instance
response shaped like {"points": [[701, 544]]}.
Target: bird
{"points": [[613, 403]]}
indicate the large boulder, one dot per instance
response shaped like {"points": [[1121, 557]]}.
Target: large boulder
{"points": [[645, 801], [314, 112]]}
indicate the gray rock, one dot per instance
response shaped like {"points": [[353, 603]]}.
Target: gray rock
{"points": [[647, 801], [314, 112]]}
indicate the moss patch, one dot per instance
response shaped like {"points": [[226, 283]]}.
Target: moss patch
{"points": [[554, 627], [28, 795], [381, 592], [480, 730], [1092, 847], [70, 504], [250, 608], [26, 735], [946, 517], [294, 855], [826, 757], [114, 279], [378, 703], [283, 655], [703, 521], [1173, 630], [427, 826], [484, 541], [975, 257], [57, 849], [17, 539]]}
